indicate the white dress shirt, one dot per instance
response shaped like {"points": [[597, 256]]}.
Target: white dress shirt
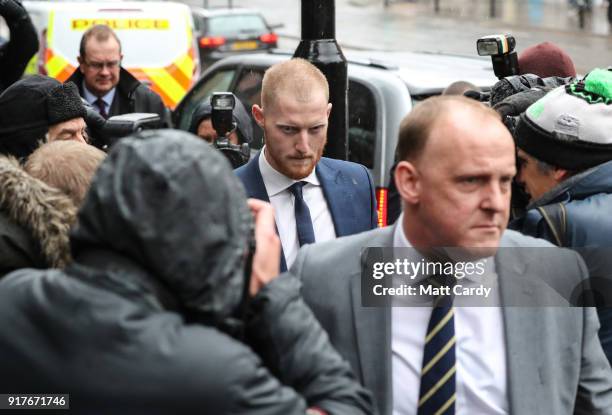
{"points": [[91, 98], [283, 201], [481, 378]]}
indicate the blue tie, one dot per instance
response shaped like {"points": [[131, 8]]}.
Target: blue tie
{"points": [[437, 392], [305, 231]]}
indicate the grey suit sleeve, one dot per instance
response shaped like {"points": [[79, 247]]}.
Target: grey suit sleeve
{"points": [[594, 395], [292, 344], [298, 263]]}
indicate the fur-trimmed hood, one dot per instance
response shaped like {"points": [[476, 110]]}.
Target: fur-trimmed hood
{"points": [[43, 211]]}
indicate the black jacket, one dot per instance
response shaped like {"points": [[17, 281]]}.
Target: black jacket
{"points": [[16, 53], [34, 221], [139, 323], [131, 96]]}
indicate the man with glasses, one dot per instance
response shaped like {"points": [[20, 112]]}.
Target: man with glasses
{"points": [[107, 86]]}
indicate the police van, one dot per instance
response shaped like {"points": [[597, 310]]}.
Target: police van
{"points": [[157, 41]]}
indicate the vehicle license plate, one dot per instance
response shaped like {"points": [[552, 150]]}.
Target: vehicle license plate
{"points": [[251, 44]]}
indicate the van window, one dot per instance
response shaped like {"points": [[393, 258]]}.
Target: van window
{"points": [[362, 124]]}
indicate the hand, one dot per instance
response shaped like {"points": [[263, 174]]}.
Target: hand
{"points": [[266, 260]]}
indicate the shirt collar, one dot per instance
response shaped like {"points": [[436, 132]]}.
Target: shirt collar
{"points": [[401, 241], [277, 182], [91, 98]]}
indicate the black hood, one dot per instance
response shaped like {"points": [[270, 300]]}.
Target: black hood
{"points": [[240, 116], [170, 203]]}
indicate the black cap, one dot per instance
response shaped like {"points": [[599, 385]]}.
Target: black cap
{"points": [[29, 107]]}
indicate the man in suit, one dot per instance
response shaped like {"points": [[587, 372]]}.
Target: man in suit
{"points": [[105, 84], [315, 198], [454, 178]]}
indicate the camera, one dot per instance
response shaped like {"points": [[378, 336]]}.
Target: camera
{"points": [[501, 50], [104, 133], [223, 104]]}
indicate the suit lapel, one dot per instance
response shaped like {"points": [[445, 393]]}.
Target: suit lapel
{"points": [[372, 327], [254, 185], [336, 190], [516, 293], [253, 181]]}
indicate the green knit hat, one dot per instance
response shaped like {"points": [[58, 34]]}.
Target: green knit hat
{"points": [[570, 127]]}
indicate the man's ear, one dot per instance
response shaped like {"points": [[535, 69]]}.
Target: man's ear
{"points": [[561, 174], [329, 107], [81, 64], [408, 182], [258, 114]]}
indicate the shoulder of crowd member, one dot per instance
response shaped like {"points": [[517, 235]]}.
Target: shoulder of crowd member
{"points": [[358, 173], [16, 53], [196, 366], [17, 247], [343, 164], [45, 212], [145, 99], [285, 333], [316, 258], [359, 176]]}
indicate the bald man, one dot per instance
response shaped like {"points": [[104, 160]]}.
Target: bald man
{"points": [[444, 351], [315, 198]]}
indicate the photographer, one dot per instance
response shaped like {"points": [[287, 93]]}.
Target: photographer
{"points": [[565, 163], [17, 52], [202, 126], [173, 303], [225, 123]]}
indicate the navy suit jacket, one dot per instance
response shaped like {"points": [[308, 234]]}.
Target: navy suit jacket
{"points": [[347, 187]]}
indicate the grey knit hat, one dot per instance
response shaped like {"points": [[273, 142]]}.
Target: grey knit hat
{"points": [[570, 127]]}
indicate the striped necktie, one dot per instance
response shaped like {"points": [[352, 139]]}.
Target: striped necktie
{"points": [[437, 392]]}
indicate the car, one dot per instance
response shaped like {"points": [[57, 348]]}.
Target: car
{"points": [[383, 87], [224, 32]]}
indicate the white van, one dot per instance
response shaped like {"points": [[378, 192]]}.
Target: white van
{"points": [[157, 40]]}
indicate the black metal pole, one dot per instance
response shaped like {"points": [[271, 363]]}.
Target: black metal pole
{"points": [[319, 46], [492, 12], [437, 6]]}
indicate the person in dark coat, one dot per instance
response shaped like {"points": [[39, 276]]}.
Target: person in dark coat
{"points": [[35, 218], [105, 84], [564, 145], [34, 221], [159, 312], [17, 52], [37, 109]]}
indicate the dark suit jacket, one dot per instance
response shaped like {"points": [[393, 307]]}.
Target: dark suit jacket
{"points": [[555, 362], [347, 187]]}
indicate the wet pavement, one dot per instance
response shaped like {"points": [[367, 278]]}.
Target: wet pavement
{"points": [[415, 26]]}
